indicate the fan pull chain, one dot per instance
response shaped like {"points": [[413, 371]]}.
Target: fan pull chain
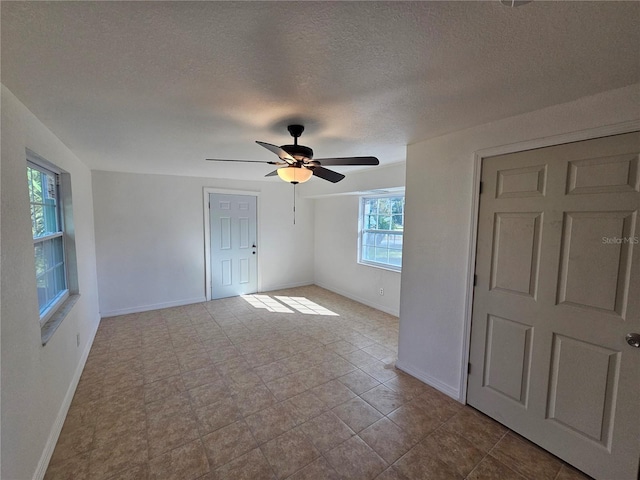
{"points": [[294, 203]]}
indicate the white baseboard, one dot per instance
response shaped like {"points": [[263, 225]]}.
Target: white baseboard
{"points": [[285, 286], [364, 301], [45, 458], [423, 377], [156, 306]]}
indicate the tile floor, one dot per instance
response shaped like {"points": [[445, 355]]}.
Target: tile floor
{"points": [[274, 388]]}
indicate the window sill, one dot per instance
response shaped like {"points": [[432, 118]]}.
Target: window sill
{"points": [[381, 267], [51, 325]]}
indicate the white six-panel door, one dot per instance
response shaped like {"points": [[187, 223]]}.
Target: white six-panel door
{"points": [[558, 289], [233, 245]]}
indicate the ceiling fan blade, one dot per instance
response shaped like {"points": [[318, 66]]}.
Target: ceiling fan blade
{"points": [[348, 161], [278, 151], [326, 174], [245, 161], [272, 174]]}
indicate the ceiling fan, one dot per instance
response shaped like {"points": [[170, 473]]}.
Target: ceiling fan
{"points": [[297, 164]]}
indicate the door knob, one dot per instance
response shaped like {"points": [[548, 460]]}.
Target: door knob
{"points": [[633, 339]]}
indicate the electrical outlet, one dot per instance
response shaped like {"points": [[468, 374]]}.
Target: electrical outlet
{"points": [[77, 339], [382, 291]]}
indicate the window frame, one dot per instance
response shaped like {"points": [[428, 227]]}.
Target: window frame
{"points": [[36, 163], [362, 230]]}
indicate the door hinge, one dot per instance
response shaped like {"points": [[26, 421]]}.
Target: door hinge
{"points": [[475, 280], [469, 368], [481, 188]]}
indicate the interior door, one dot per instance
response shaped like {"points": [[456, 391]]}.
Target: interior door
{"points": [[558, 290], [234, 266]]}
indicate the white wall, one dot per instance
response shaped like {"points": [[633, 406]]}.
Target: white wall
{"points": [[150, 238], [336, 239], [438, 224], [37, 381]]}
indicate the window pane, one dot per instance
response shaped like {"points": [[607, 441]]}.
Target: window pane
{"points": [[384, 223], [395, 241], [51, 217], [58, 251], [39, 258], [37, 221], [384, 206], [397, 205], [381, 240], [368, 253], [381, 255], [382, 230], [371, 222], [368, 238], [395, 257]]}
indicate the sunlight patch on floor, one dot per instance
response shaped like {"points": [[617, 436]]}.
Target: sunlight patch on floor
{"points": [[280, 304], [306, 306], [267, 303]]}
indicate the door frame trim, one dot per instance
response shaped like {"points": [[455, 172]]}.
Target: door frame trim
{"points": [[479, 156], [207, 232]]}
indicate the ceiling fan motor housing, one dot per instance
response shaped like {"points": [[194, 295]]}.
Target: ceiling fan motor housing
{"points": [[299, 152]]}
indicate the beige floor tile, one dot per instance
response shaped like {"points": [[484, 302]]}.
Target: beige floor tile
{"points": [[414, 420], [333, 393], [194, 361], [187, 462], [287, 387], [360, 358], [73, 440], [176, 374], [163, 388], [491, 469], [76, 468], [327, 431], [289, 452], [252, 399], [228, 443], [419, 464], [319, 469], [454, 450], [570, 473], [438, 404], [272, 371], [250, 466], [387, 439], [209, 393], [166, 432], [525, 458], [391, 473], [383, 399], [479, 429], [201, 376], [342, 347], [137, 472], [270, 423], [217, 415], [129, 451], [304, 406], [358, 382], [357, 414], [355, 460], [381, 371]]}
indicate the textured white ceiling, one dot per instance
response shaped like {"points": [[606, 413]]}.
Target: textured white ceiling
{"points": [[159, 86]]}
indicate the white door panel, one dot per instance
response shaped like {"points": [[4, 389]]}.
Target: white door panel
{"points": [[233, 245], [558, 288]]}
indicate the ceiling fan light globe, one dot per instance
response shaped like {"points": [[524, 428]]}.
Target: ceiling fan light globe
{"points": [[294, 174]]}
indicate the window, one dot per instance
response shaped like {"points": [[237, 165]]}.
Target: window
{"points": [[48, 238], [381, 230]]}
